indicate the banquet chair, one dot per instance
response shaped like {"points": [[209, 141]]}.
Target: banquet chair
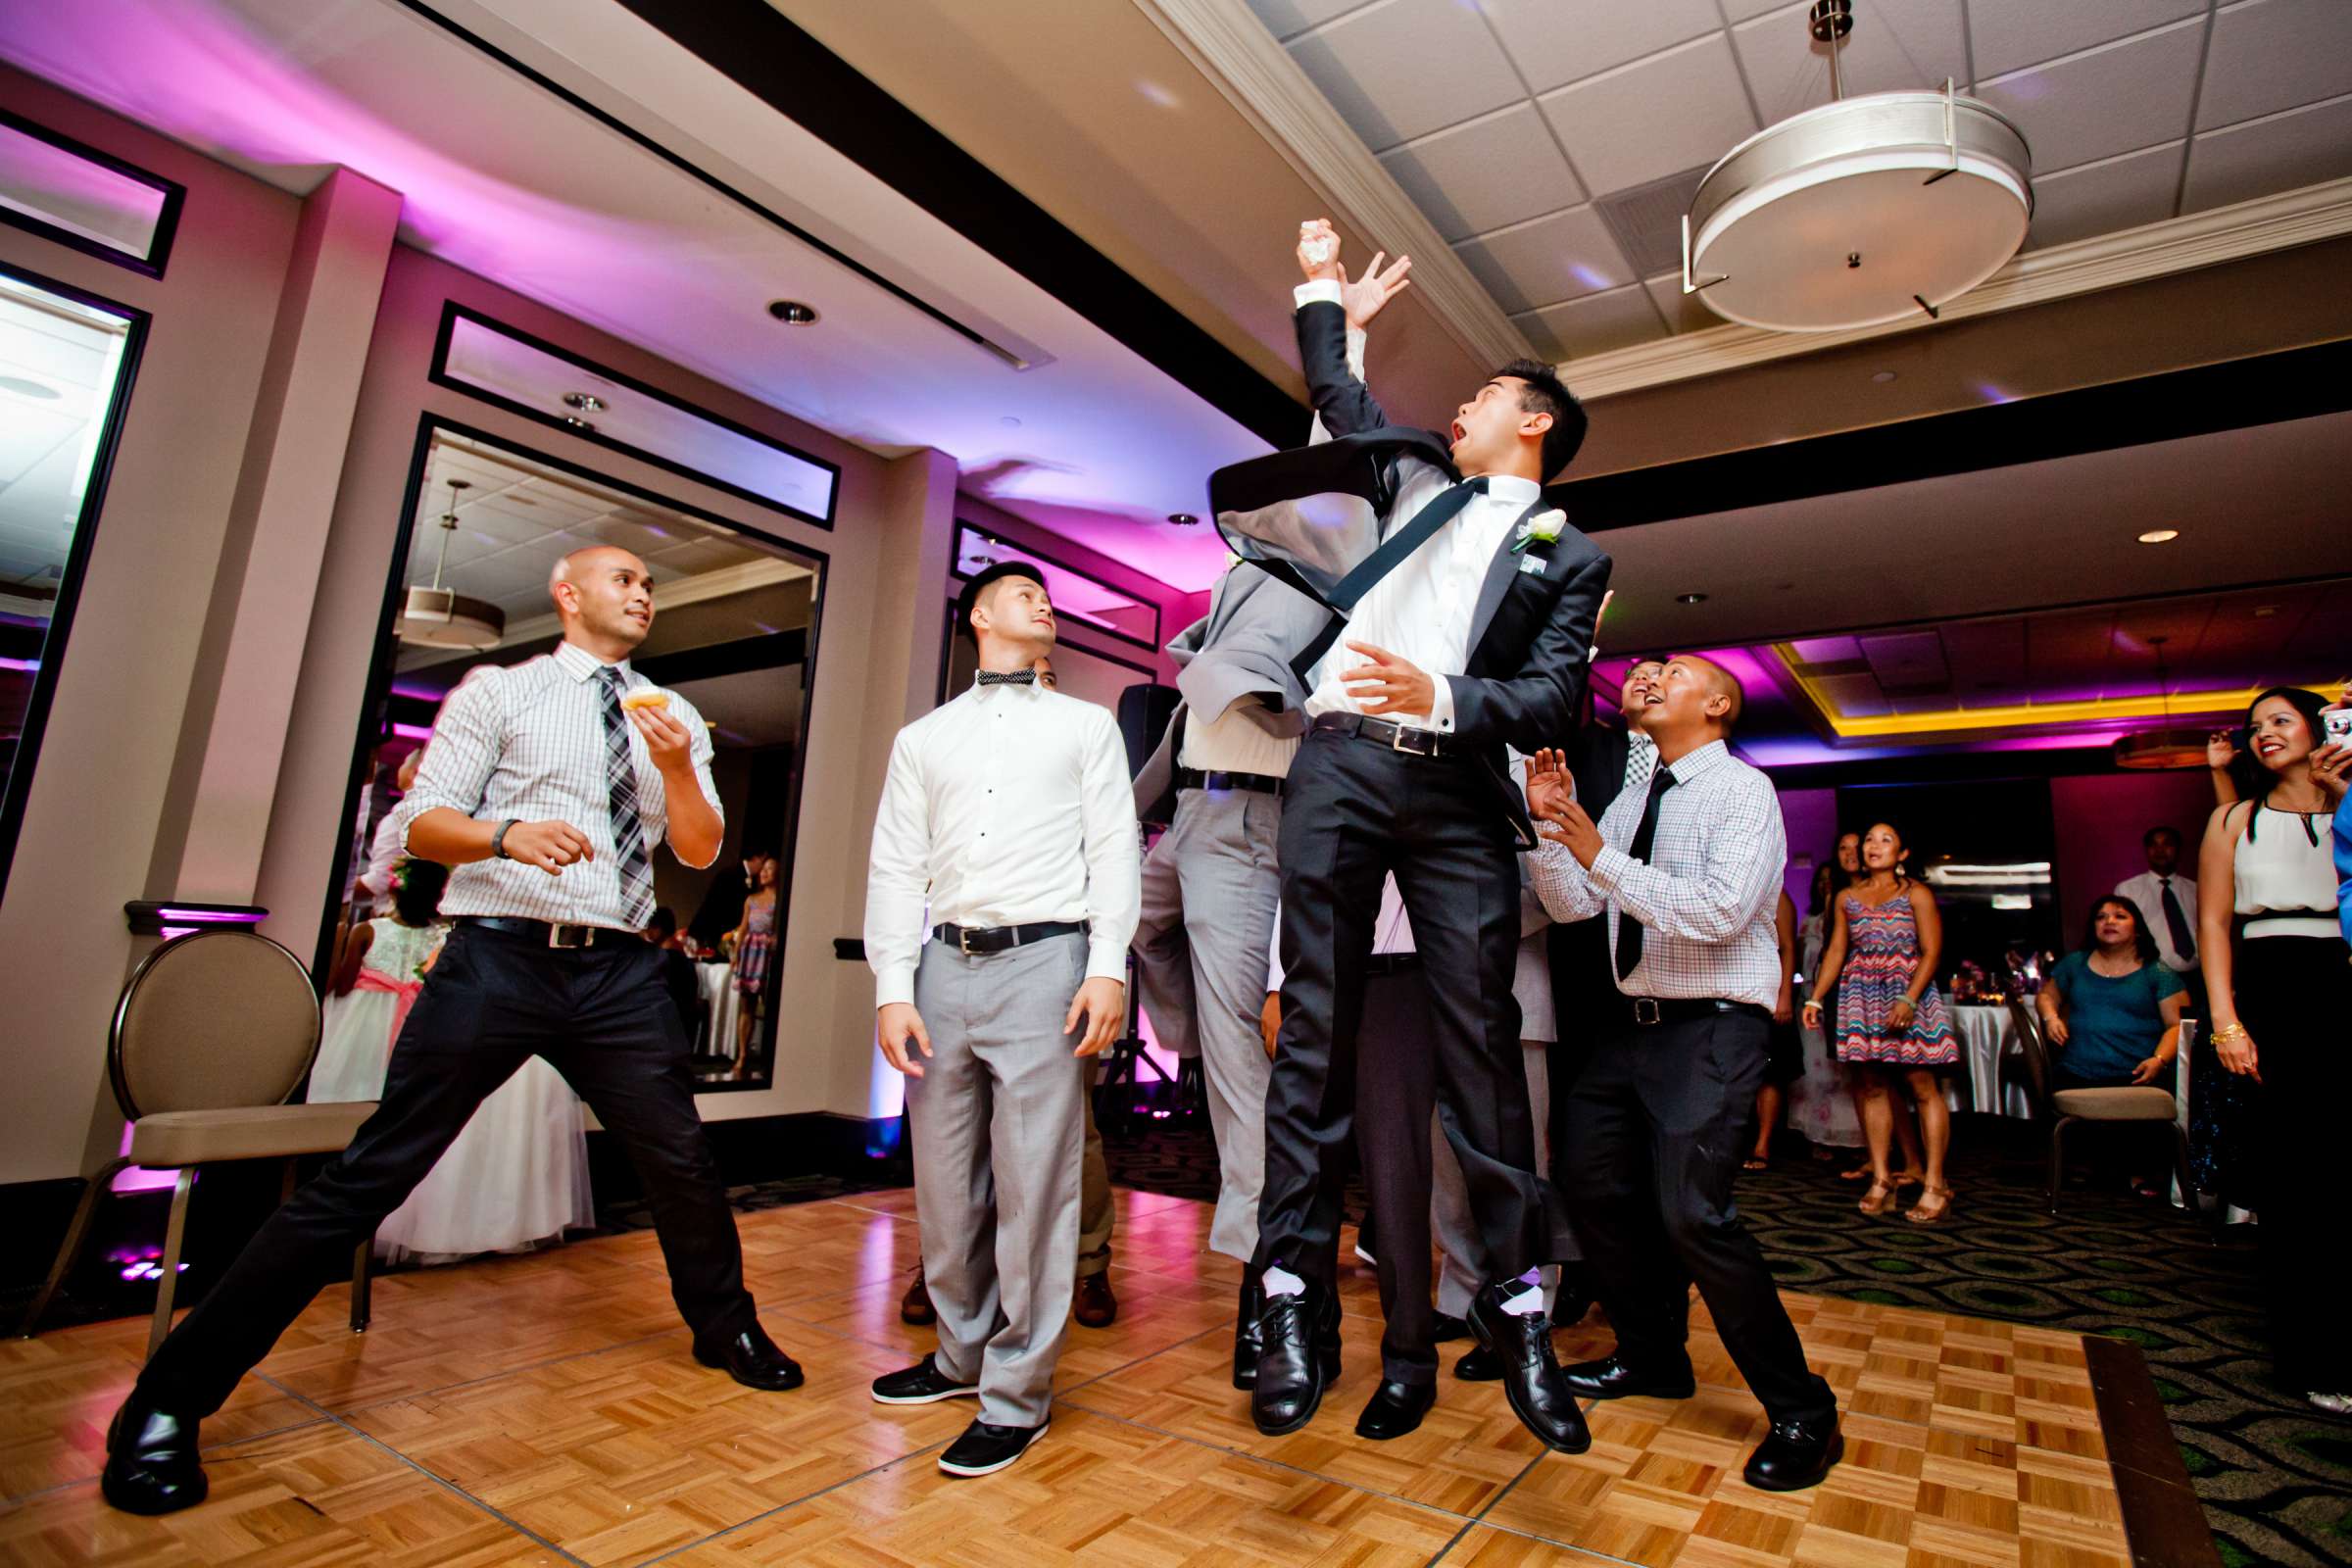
{"points": [[2064, 1108], [212, 1033]]}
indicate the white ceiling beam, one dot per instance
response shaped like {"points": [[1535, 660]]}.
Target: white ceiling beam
{"points": [[2294, 217], [1231, 48]]}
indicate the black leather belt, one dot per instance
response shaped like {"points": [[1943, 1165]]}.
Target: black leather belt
{"points": [[968, 939], [1388, 964], [1644, 1011], [1413, 740], [553, 935], [1193, 778]]}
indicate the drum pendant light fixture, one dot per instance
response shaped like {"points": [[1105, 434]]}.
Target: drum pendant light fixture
{"points": [[1861, 212], [2163, 747], [443, 618]]}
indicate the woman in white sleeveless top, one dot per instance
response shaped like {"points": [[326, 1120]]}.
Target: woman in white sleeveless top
{"points": [[2282, 1004]]}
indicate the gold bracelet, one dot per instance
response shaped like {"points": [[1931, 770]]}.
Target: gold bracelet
{"points": [[2228, 1036]]}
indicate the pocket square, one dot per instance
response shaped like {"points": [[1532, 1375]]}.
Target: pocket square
{"points": [[1534, 564]]}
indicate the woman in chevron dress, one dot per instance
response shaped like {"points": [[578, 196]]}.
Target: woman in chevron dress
{"points": [[1891, 1024]]}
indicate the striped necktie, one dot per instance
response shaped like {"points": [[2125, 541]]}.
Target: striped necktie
{"points": [[636, 866]]}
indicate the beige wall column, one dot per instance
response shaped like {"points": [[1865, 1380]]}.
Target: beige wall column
{"points": [[235, 729]]}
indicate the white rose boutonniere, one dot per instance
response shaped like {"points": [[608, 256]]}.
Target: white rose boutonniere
{"points": [[1543, 528]]}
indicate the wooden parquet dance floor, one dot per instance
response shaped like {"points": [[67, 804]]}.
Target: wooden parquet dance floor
{"points": [[545, 1410]]}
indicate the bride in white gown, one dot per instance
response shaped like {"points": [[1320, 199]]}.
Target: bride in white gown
{"points": [[518, 1176]]}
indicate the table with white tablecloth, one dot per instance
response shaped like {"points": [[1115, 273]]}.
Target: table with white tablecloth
{"points": [[1988, 1037], [722, 1004]]}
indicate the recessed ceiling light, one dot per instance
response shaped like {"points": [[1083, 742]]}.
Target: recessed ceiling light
{"points": [[585, 402], [792, 312], [586, 426], [2265, 611], [2160, 536], [1883, 376], [1183, 519], [1689, 598]]}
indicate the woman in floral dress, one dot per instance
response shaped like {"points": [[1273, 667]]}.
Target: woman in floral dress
{"points": [[1892, 1023]]}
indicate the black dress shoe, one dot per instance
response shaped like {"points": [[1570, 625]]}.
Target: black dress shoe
{"points": [[1521, 1343], [1611, 1379], [1445, 1328], [752, 1359], [984, 1450], [151, 1464], [1246, 1340], [1297, 1357], [1797, 1455], [1481, 1365], [920, 1384], [1395, 1409]]}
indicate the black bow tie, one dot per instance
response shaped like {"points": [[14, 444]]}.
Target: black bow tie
{"points": [[1009, 677]]}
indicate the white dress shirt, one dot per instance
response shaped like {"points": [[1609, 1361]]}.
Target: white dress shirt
{"points": [[1008, 806], [1392, 932], [1234, 743], [1708, 892], [2146, 892], [1421, 612], [527, 742], [383, 853]]}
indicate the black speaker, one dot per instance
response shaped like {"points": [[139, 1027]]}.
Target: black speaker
{"points": [[1145, 709]]}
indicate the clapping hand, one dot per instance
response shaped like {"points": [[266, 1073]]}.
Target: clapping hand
{"points": [[1550, 785]]}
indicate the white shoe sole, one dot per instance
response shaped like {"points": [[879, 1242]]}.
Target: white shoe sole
{"points": [[1003, 1463], [927, 1398]]}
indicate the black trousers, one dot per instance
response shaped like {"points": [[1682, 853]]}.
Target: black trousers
{"points": [[1354, 811], [602, 1018], [1396, 1091], [1656, 1127]]}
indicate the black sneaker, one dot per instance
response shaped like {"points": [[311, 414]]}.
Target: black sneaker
{"points": [[920, 1384], [984, 1449]]}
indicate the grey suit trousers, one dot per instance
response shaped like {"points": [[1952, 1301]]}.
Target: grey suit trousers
{"points": [[1210, 888], [999, 1120]]}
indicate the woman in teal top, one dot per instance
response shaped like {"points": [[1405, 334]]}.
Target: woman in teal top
{"points": [[2111, 1010]]}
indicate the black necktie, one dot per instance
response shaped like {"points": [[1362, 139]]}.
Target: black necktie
{"points": [[1009, 677], [2176, 925], [1629, 930]]}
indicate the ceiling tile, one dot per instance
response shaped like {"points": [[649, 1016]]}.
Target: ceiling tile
{"points": [[1288, 18], [2270, 55], [1563, 257], [1897, 43], [2263, 157], [1738, 10], [1494, 171], [2100, 198], [1683, 312], [1405, 68], [2008, 34], [1592, 325], [2112, 100], [1559, 41], [1658, 117]]}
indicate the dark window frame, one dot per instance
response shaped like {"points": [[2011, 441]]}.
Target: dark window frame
{"points": [[370, 730], [17, 787], [439, 375], [167, 220], [997, 538]]}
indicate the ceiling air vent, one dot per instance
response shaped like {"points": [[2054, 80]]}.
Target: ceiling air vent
{"points": [[1647, 221]]}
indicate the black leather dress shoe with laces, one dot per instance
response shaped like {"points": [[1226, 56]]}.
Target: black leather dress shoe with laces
{"points": [[1796, 1454], [1521, 1343], [1611, 1379], [151, 1464], [1245, 1336], [1395, 1409], [1479, 1365], [1297, 1357], [752, 1359]]}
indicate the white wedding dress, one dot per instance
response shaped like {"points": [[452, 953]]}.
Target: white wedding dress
{"points": [[515, 1177]]}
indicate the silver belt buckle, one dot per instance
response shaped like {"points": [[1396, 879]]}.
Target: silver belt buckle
{"points": [[1424, 747], [580, 936], [1645, 1009]]}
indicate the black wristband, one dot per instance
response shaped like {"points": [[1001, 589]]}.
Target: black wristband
{"points": [[498, 840]]}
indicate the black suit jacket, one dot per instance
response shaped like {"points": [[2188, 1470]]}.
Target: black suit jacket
{"points": [[1531, 633]]}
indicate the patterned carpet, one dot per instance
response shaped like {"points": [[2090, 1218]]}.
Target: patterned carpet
{"points": [[2274, 1476]]}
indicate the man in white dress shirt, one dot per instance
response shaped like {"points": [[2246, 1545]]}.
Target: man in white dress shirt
{"points": [[1686, 872], [2167, 903], [1007, 830], [547, 798]]}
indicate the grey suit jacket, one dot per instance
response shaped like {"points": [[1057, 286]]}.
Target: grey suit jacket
{"points": [[1240, 652]]}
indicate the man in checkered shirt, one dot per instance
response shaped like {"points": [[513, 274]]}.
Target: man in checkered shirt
{"points": [[1686, 873], [547, 786]]}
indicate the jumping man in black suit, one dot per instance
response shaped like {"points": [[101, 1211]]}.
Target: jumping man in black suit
{"points": [[1464, 610]]}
